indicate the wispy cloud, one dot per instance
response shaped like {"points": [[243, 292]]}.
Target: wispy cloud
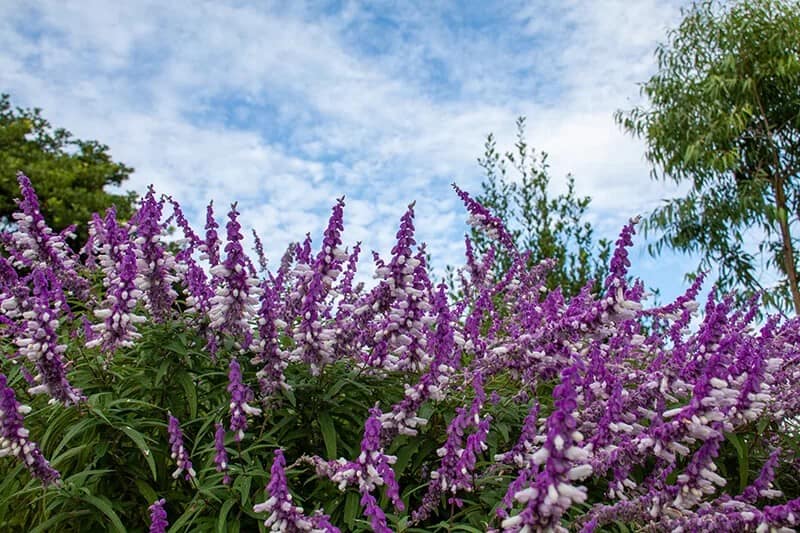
{"points": [[286, 109]]}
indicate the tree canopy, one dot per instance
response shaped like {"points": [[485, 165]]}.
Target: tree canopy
{"points": [[70, 174], [723, 115], [546, 225]]}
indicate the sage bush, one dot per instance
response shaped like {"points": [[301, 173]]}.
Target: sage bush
{"points": [[151, 383]]}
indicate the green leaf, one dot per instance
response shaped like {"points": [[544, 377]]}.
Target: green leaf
{"points": [[351, 508], [147, 492], [243, 483], [105, 507], [189, 389], [140, 442], [742, 457], [222, 523], [623, 528], [464, 527], [189, 515], [328, 434], [48, 524], [80, 428]]}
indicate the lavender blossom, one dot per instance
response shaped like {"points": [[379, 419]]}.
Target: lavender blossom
{"points": [[236, 293], [432, 384], [14, 440], [158, 517], [271, 378], [563, 460], [458, 458], [156, 266], [400, 339], [259, 247], [35, 244], [38, 340], [179, 453], [314, 339], [371, 470], [221, 456], [210, 247], [117, 259], [240, 395], [118, 328], [283, 514], [480, 218]]}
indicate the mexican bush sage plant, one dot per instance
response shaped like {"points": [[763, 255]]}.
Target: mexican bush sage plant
{"points": [[146, 377]]}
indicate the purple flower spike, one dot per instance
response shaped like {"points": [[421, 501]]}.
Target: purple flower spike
{"points": [[403, 300], [236, 291], [156, 266], [369, 471], [14, 440], [283, 514], [373, 511], [35, 244], [118, 328], [158, 517], [221, 457], [179, 453], [315, 340], [481, 218], [240, 395], [38, 340], [210, 247]]}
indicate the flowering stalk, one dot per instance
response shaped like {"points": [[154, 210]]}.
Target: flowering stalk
{"points": [[157, 267], [371, 470], [158, 517], [236, 292], [14, 440], [283, 514], [35, 244], [38, 340], [221, 455], [240, 395], [179, 453]]}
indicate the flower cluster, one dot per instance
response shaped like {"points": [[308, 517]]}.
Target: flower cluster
{"points": [[236, 293], [400, 340], [314, 339], [372, 469], [583, 410], [240, 395], [158, 517], [221, 456], [157, 269], [458, 458], [34, 244], [14, 440], [283, 515], [117, 258], [38, 340], [179, 453]]}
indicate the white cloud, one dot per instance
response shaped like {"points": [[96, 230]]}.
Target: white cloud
{"points": [[286, 109]]}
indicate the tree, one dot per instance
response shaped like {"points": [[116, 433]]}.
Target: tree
{"points": [[723, 114], [550, 227], [69, 174]]}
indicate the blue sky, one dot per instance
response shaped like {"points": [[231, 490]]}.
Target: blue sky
{"points": [[287, 106]]}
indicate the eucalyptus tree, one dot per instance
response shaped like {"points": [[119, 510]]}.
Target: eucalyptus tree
{"points": [[722, 114]]}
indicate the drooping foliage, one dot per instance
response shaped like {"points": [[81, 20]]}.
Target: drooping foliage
{"points": [[722, 114], [142, 388]]}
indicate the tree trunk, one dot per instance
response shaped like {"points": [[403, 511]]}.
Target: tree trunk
{"points": [[786, 237]]}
